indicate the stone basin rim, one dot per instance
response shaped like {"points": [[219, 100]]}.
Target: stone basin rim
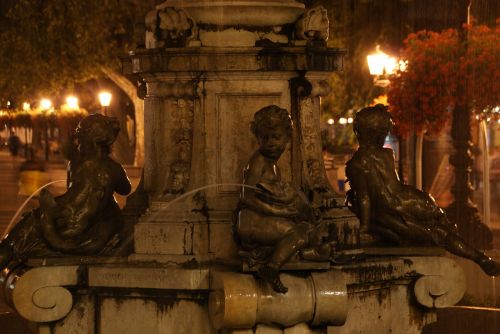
{"points": [[242, 13], [231, 3]]}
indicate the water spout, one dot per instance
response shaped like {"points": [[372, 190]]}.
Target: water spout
{"points": [[18, 212]]}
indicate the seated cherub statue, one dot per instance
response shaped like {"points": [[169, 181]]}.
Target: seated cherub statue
{"points": [[389, 209], [274, 222], [86, 217]]}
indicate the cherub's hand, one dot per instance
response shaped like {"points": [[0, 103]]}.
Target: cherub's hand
{"points": [[328, 203]]}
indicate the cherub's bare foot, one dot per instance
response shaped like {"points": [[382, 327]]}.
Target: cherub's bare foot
{"points": [[490, 267], [272, 276]]}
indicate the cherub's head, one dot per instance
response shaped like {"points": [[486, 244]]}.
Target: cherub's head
{"points": [[272, 126], [372, 124], [97, 130]]}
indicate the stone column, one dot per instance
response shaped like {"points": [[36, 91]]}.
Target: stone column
{"points": [[207, 72]]}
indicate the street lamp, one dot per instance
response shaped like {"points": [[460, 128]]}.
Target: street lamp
{"points": [[381, 64], [45, 104], [72, 102], [105, 100]]}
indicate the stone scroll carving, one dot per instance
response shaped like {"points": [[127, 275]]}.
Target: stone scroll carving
{"points": [[442, 283], [240, 301], [39, 295]]}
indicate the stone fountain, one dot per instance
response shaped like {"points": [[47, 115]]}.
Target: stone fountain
{"points": [[208, 67]]}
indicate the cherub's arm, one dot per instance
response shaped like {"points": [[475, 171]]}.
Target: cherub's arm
{"points": [[123, 186], [359, 185], [250, 196]]}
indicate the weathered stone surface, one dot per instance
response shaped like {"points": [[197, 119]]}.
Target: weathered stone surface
{"points": [[161, 238], [81, 319], [382, 311], [169, 278], [153, 316]]}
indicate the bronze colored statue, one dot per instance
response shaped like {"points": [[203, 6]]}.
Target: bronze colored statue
{"points": [[86, 218], [273, 221], [390, 209]]}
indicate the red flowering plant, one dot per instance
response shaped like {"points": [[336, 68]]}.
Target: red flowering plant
{"points": [[481, 67], [421, 96]]}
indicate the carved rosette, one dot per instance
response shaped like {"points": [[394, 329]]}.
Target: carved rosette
{"points": [[170, 27], [313, 25]]}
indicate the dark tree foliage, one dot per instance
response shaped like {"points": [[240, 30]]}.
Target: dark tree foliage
{"points": [[49, 45]]}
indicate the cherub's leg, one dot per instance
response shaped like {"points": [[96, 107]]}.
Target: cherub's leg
{"points": [[456, 245], [290, 243]]}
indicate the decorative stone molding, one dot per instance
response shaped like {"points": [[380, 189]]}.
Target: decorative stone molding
{"points": [[313, 25], [442, 283], [180, 168], [241, 301], [179, 89], [305, 113], [39, 294], [255, 13]]}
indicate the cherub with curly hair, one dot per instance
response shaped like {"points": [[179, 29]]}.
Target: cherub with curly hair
{"points": [[390, 209], [86, 217], [271, 215]]}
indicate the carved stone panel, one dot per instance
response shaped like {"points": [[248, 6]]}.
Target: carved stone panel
{"points": [[228, 109], [234, 139]]}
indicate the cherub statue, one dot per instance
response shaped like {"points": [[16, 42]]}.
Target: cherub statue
{"points": [[390, 209], [274, 222], [86, 217]]}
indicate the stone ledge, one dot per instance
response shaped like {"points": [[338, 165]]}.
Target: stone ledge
{"points": [[149, 278], [234, 59]]}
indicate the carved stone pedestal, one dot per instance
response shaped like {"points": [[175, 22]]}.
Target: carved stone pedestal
{"points": [[377, 295]]}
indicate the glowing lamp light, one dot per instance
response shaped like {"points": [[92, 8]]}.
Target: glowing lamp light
{"points": [[26, 106], [45, 104], [72, 102], [350, 120], [342, 120], [331, 121], [381, 63], [105, 99]]}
